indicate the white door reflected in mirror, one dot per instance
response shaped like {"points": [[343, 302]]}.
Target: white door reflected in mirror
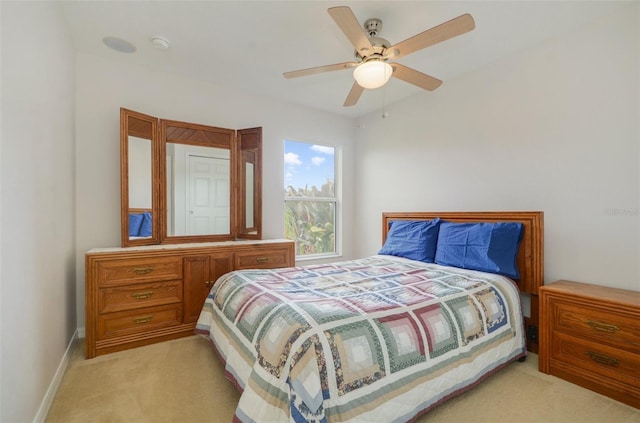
{"points": [[200, 198]]}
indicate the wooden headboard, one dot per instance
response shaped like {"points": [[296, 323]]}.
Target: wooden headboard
{"points": [[530, 255]]}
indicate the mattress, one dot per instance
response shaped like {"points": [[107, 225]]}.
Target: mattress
{"points": [[378, 339]]}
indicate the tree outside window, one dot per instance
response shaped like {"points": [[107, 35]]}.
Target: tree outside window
{"points": [[310, 198]]}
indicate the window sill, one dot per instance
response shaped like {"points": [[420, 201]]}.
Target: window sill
{"points": [[315, 257]]}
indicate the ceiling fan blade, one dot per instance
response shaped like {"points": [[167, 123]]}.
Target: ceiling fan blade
{"points": [[319, 69], [454, 27], [354, 95], [414, 77], [348, 23]]}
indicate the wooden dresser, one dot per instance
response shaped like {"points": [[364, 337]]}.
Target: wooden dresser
{"points": [[140, 295], [590, 335]]}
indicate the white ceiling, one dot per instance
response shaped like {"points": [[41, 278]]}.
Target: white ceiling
{"points": [[247, 45]]}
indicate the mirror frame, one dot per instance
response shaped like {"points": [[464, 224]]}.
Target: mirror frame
{"points": [[245, 146], [249, 147], [203, 136], [128, 126]]}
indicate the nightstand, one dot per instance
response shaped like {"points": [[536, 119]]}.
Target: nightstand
{"points": [[590, 335]]}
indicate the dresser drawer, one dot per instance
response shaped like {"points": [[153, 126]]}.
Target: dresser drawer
{"points": [[264, 258], [130, 322], [599, 359], [611, 327], [128, 297], [119, 272]]}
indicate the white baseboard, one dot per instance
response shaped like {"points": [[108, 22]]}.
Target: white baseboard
{"points": [[45, 405]]}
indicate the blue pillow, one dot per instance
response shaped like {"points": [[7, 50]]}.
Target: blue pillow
{"points": [[146, 228], [488, 247], [135, 221], [412, 239]]}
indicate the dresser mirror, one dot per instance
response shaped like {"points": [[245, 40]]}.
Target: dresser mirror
{"points": [[204, 184], [250, 169], [138, 170]]}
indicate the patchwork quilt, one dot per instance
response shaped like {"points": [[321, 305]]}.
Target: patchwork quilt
{"points": [[379, 339]]}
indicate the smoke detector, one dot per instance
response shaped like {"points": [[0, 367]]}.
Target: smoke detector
{"points": [[160, 43]]}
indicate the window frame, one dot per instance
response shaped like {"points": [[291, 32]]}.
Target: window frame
{"points": [[336, 200]]}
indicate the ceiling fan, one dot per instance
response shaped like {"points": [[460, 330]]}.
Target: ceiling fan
{"points": [[372, 53]]}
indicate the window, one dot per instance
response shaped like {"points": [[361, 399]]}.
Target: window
{"points": [[310, 198]]}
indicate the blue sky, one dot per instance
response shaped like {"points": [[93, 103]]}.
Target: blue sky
{"points": [[307, 164]]}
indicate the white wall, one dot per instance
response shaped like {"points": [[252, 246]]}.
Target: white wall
{"points": [[554, 128], [103, 86], [38, 287]]}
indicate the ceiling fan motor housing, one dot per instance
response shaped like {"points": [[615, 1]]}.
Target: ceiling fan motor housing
{"points": [[372, 27]]}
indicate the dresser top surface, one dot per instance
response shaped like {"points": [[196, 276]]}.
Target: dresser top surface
{"points": [[171, 247]]}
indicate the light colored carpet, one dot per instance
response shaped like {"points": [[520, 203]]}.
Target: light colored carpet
{"points": [[183, 381]]}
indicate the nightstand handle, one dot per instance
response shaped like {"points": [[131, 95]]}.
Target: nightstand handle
{"points": [[603, 327], [602, 359]]}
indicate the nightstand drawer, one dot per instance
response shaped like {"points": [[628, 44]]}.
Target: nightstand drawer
{"points": [[128, 297], [596, 358], [613, 328], [119, 272], [130, 322], [263, 259]]}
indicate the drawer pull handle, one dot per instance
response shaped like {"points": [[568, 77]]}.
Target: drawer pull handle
{"points": [[262, 259], [208, 283], [603, 327], [142, 295], [602, 359], [142, 270], [140, 320]]}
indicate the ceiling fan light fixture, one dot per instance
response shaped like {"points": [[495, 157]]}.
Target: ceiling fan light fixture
{"points": [[372, 74]]}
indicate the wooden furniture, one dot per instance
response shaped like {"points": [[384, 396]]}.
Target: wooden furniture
{"points": [[140, 295], [201, 183], [590, 335], [530, 259]]}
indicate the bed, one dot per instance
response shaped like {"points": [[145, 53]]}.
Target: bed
{"points": [[384, 338]]}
